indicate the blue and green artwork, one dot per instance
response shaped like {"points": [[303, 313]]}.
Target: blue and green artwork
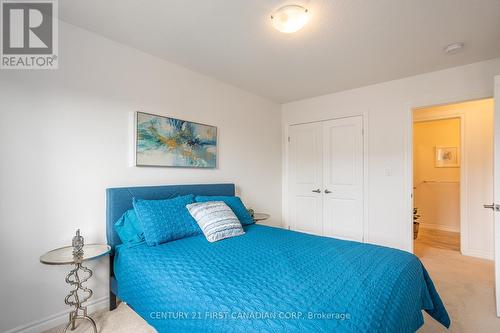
{"points": [[164, 141]]}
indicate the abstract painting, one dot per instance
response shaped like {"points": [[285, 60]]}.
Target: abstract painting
{"points": [[164, 141]]}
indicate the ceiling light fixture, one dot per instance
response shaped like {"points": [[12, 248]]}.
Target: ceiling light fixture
{"points": [[290, 18], [454, 48]]}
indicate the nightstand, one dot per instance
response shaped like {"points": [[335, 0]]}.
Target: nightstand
{"points": [[80, 294], [260, 217]]}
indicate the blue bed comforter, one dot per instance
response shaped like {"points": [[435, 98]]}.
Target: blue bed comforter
{"points": [[275, 280]]}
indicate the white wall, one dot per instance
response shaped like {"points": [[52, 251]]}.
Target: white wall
{"points": [[386, 109], [477, 225], [65, 138]]}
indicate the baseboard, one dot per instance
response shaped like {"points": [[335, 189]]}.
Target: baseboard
{"points": [[478, 254], [439, 227], [57, 319]]}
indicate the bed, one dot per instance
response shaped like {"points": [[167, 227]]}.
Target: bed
{"points": [[267, 280]]}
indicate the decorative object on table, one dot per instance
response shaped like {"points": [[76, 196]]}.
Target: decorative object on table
{"points": [[447, 157], [77, 244], [416, 223], [75, 254], [170, 142], [251, 212], [260, 216]]}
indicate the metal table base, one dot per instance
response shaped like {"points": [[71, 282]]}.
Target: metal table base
{"points": [[79, 295]]}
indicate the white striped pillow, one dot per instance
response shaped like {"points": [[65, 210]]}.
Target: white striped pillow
{"points": [[216, 220]]}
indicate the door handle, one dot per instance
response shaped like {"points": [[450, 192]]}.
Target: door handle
{"points": [[317, 191], [326, 191], [493, 206]]}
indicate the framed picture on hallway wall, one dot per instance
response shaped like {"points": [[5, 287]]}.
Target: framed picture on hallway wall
{"points": [[447, 157]]}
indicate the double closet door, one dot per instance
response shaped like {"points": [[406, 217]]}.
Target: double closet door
{"points": [[325, 179]]}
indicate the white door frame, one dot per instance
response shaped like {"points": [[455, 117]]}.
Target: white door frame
{"points": [[410, 107], [464, 222], [286, 168], [496, 192]]}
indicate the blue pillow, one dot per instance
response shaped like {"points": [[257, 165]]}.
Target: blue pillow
{"points": [[128, 229], [234, 203], [166, 220]]}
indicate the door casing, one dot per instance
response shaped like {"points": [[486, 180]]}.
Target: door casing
{"points": [[464, 223]]}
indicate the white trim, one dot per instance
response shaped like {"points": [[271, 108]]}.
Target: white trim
{"points": [[496, 187], [57, 319], [479, 254], [441, 227], [408, 178]]}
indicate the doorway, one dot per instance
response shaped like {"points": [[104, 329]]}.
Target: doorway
{"points": [[453, 178], [436, 181]]}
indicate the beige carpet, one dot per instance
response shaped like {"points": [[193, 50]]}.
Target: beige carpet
{"points": [[466, 285], [121, 320]]}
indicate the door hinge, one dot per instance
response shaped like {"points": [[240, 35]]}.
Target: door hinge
{"points": [[288, 139]]}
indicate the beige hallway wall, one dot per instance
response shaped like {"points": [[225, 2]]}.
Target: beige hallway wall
{"points": [[437, 189]]}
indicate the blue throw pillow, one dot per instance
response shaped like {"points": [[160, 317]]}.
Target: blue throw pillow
{"points": [[166, 220], [128, 228], [234, 203]]}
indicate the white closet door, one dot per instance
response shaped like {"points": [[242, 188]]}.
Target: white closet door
{"points": [[343, 178], [305, 181]]}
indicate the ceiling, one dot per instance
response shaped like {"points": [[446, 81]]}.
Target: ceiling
{"points": [[346, 44]]}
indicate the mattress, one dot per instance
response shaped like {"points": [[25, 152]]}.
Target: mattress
{"points": [[276, 280]]}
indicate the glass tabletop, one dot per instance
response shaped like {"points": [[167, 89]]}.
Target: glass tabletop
{"points": [[260, 216], [64, 255]]}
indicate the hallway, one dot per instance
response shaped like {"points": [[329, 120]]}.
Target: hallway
{"points": [[440, 239]]}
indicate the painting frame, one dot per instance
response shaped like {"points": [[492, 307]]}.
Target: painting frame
{"points": [[447, 157], [141, 161]]}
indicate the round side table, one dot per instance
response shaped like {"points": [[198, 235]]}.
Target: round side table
{"points": [[260, 217], [76, 277]]}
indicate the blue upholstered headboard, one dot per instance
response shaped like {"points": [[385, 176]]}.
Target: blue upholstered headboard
{"points": [[119, 200]]}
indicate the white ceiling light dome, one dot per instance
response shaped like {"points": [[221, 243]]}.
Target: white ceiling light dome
{"points": [[290, 18]]}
